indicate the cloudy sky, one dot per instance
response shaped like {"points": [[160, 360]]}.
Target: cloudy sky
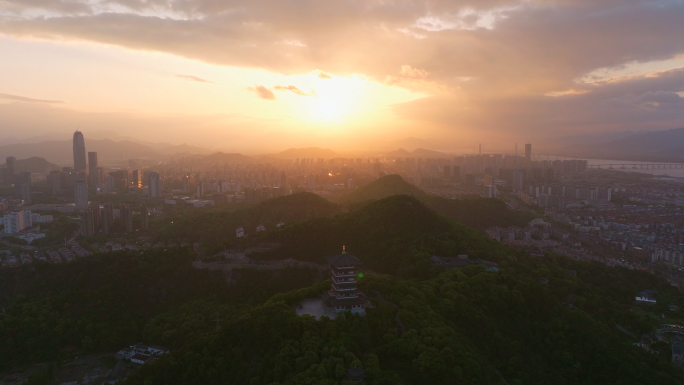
{"points": [[264, 74]]}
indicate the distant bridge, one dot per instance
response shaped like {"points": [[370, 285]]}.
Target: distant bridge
{"points": [[671, 329], [638, 166]]}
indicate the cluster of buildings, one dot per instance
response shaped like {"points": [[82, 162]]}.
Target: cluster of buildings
{"points": [[20, 224], [141, 354], [60, 255]]}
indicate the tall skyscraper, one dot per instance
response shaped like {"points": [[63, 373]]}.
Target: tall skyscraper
{"points": [[136, 179], [81, 194], [55, 180], [518, 179], [92, 221], [528, 152], [127, 218], [96, 177], [154, 185], [200, 189], [144, 216], [79, 152], [92, 161], [11, 163], [107, 218]]}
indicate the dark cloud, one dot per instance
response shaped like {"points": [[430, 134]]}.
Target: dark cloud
{"points": [[28, 100], [514, 52], [194, 78], [263, 92], [296, 90]]}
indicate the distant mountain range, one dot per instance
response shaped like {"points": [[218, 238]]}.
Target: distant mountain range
{"points": [[34, 164], [663, 146], [308, 152], [419, 152]]}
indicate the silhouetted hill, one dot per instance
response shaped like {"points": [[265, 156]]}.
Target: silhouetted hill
{"points": [[61, 152], [419, 152], [396, 235], [219, 226], [309, 152], [477, 212], [34, 164], [652, 146], [378, 189], [222, 158], [647, 142]]}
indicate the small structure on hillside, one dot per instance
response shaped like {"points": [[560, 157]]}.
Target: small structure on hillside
{"points": [[239, 232], [343, 294]]}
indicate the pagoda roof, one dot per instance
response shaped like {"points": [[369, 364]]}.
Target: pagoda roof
{"points": [[343, 259]]}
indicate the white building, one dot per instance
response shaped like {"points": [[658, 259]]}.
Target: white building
{"points": [[30, 237], [240, 232], [155, 187], [17, 221], [37, 218]]}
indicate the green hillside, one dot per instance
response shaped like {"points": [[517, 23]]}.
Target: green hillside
{"points": [[477, 212], [463, 326], [34, 164], [219, 226], [534, 321], [381, 188], [109, 301], [396, 235]]}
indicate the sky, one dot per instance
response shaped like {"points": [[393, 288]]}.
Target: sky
{"points": [[263, 75]]}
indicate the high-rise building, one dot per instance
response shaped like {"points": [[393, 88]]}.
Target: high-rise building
{"points": [[283, 180], [22, 186], [107, 218], [528, 153], [200, 189], [92, 161], [144, 217], [154, 185], [518, 179], [470, 179], [17, 221], [81, 194], [96, 177], [79, 152], [25, 192], [92, 221], [127, 218], [11, 164], [120, 179], [136, 179], [55, 181]]}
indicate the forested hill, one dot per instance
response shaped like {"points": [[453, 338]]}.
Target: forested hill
{"points": [[476, 212], [109, 301], [380, 188], [463, 326], [217, 225], [395, 235]]}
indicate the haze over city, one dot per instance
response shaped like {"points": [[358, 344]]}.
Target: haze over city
{"points": [[341, 192]]}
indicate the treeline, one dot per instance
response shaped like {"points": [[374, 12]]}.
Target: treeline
{"points": [[395, 235], [109, 301], [219, 226], [473, 211], [462, 326]]}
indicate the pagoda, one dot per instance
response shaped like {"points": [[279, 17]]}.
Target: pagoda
{"points": [[343, 294]]}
